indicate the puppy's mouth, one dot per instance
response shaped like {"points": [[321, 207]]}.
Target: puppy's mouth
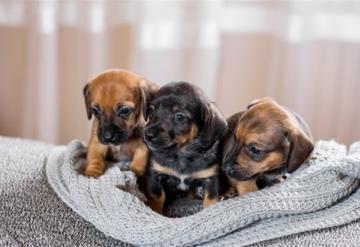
{"points": [[157, 142], [232, 171], [153, 146]]}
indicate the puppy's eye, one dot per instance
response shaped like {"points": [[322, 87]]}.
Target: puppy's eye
{"points": [[179, 117], [124, 111], [96, 111], [255, 152]]}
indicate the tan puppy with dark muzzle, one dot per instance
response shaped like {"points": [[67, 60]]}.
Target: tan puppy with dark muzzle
{"points": [[117, 98], [262, 144]]}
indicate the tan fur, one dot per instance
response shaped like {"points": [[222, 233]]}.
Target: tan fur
{"points": [[114, 88], [263, 122], [244, 187], [165, 170], [208, 172], [156, 203], [95, 155], [109, 90], [272, 161], [140, 159], [207, 201], [183, 139]]}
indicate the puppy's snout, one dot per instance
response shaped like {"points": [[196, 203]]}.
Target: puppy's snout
{"points": [[156, 137], [228, 168], [152, 134], [149, 135], [108, 135]]}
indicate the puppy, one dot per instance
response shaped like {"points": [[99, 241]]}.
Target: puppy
{"points": [[116, 99], [262, 144], [182, 133]]}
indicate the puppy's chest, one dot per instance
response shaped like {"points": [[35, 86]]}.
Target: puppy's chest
{"points": [[124, 151], [181, 182], [184, 175], [119, 152]]}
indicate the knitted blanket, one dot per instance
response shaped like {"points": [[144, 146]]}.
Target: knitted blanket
{"points": [[321, 195], [315, 197]]}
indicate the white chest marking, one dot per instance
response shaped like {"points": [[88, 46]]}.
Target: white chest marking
{"points": [[182, 185], [119, 154]]}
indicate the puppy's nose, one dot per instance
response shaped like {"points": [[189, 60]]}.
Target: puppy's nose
{"points": [[108, 135], [149, 135], [228, 168]]}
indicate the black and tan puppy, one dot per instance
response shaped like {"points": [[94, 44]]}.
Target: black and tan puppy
{"points": [[262, 144], [182, 134], [116, 99]]}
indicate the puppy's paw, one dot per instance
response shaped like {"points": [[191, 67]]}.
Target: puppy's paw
{"points": [[93, 174], [139, 162], [230, 193], [209, 201], [94, 170], [138, 168], [245, 187]]}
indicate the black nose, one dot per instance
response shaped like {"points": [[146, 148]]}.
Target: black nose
{"points": [[149, 135], [228, 168], [108, 135]]}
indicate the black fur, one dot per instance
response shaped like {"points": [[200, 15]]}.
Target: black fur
{"points": [[199, 153]]}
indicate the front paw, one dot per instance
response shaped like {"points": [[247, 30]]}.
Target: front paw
{"points": [[209, 201], [138, 167], [230, 193], [245, 187], [94, 170]]}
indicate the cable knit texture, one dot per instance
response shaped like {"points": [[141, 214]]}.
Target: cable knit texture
{"points": [[308, 208]]}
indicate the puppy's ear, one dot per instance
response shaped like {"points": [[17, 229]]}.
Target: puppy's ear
{"points": [[227, 144], [214, 124], [257, 101], [301, 144], [233, 120], [148, 89], [86, 92]]}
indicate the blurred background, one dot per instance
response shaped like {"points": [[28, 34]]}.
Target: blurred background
{"points": [[305, 54]]}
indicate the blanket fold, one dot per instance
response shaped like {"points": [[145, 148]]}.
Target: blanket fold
{"points": [[323, 193]]}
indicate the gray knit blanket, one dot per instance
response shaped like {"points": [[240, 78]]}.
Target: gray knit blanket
{"points": [[318, 204]]}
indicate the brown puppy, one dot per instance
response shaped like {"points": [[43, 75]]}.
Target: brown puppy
{"points": [[117, 98], [262, 144]]}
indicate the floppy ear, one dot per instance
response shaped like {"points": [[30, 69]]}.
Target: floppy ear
{"points": [[301, 147], [214, 124], [227, 146], [86, 92], [148, 89], [233, 120]]}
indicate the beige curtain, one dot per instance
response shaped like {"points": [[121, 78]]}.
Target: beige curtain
{"points": [[305, 54]]}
